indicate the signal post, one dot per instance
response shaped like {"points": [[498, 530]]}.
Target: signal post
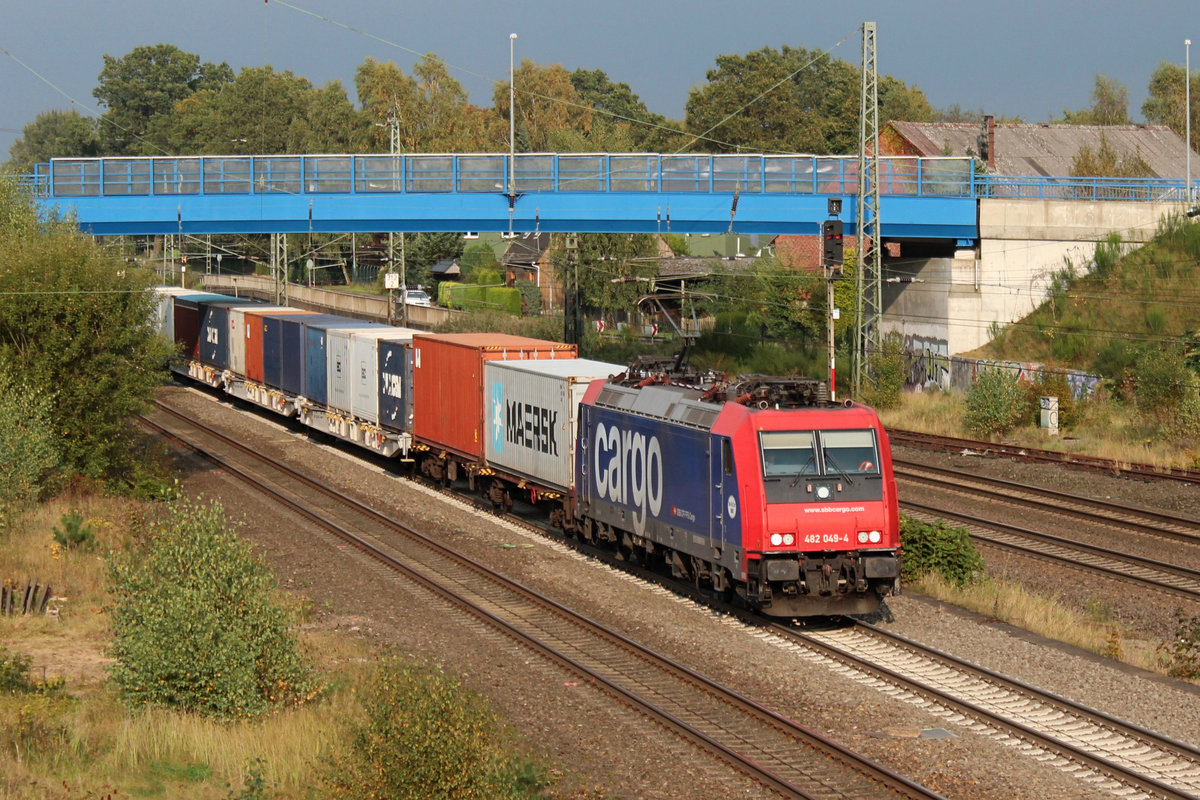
{"points": [[831, 262]]}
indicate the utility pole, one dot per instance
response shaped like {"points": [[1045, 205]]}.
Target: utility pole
{"points": [[572, 316], [868, 306], [831, 261]]}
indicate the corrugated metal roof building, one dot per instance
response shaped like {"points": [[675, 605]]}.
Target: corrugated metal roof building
{"points": [[1039, 149]]}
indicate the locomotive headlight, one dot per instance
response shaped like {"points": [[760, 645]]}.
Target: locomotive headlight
{"points": [[823, 492], [788, 539], [875, 537], [862, 537], [776, 539]]}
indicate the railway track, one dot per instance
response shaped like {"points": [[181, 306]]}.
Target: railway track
{"points": [[785, 757], [1110, 466], [1117, 756], [1048, 510]]}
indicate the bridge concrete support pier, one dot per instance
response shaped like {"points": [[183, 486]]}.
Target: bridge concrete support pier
{"points": [[955, 305]]}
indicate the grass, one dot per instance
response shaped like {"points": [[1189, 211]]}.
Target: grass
{"points": [[1012, 603]]}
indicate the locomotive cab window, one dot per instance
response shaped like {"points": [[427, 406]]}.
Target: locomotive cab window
{"points": [[787, 454], [852, 452]]}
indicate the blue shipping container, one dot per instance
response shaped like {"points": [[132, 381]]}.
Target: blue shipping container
{"points": [[395, 385], [316, 354], [283, 351], [213, 345]]}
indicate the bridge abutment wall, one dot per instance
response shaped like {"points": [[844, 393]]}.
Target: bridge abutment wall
{"points": [[955, 305]]}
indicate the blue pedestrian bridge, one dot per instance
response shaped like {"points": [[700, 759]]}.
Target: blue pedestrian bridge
{"points": [[920, 198]]}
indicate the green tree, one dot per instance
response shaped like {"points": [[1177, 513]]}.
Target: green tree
{"points": [[790, 100], [1106, 162], [74, 326], [195, 625], [614, 269], [53, 134], [28, 447], [1110, 105], [476, 257], [780, 302], [430, 108], [547, 107], [1167, 98], [146, 84], [622, 122]]}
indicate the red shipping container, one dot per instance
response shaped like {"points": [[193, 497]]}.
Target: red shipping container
{"points": [[254, 338], [449, 395]]}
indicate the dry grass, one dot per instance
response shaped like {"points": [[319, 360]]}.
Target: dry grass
{"points": [[86, 743], [1016, 605]]}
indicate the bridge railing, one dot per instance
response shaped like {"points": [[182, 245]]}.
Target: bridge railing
{"points": [[490, 173], [566, 172]]}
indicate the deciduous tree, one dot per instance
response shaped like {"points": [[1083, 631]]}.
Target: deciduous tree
{"points": [[53, 134]]}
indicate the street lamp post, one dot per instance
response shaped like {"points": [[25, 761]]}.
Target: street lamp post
{"points": [[1187, 102], [512, 39]]}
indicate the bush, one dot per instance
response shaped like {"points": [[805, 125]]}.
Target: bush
{"points": [[28, 448], [422, 735], [1181, 656], [935, 547], [73, 532], [1052, 383], [995, 403], [194, 623], [887, 370], [1164, 381]]}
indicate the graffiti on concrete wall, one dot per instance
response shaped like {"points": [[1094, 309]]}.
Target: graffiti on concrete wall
{"points": [[931, 368]]}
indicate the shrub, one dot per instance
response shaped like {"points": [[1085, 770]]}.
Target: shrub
{"points": [[28, 448], [1163, 381], [938, 548], [423, 735], [1181, 656], [1052, 383], [887, 370], [194, 623], [73, 532], [995, 403]]}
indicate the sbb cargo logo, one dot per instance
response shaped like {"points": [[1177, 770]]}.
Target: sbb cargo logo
{"points": [[629, 471]]}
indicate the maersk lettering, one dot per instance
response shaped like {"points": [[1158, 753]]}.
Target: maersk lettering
{"points": [[531, 426]]}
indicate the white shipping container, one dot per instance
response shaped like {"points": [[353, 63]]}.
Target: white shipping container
{"points": [[364, 361], [164, 311], [532, 413]]}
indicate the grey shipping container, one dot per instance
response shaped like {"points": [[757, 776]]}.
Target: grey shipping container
{"points": [[351, 368], [285, 348], [317, 356], [532, 412]]}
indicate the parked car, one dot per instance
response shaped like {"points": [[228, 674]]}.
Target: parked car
{"points": [[416, 297]]}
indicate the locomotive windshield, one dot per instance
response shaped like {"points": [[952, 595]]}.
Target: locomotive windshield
{"points": [[796, 454]]}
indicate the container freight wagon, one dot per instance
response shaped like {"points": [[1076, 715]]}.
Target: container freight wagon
{"points": [[793, 508], [532, 418], [450, 401], [317, 356]]}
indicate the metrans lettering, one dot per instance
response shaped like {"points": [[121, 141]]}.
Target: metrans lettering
{"points": [[629, 470]]}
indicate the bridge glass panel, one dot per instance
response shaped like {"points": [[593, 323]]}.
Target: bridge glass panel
{"points": [[737, 173], [378, 174], [176, 175], [482, 173], [278, 174], [124, 176], [223, 175], [836, 175], [686, 173], [76, 178], [633, 173], [534, 172], [429, 173], [789, 174], [328, 173], [581, 173]]}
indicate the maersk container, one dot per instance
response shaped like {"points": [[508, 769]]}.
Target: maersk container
{"points": [[285, 347], [533, 410], [317, 356], [351, 363], [263, 343], [187, 318], [448, 390], [241, 341], [395, 384], [214, 345], [364, 367]]}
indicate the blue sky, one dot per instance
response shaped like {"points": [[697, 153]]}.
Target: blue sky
{"points": [[1029, 60]]}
